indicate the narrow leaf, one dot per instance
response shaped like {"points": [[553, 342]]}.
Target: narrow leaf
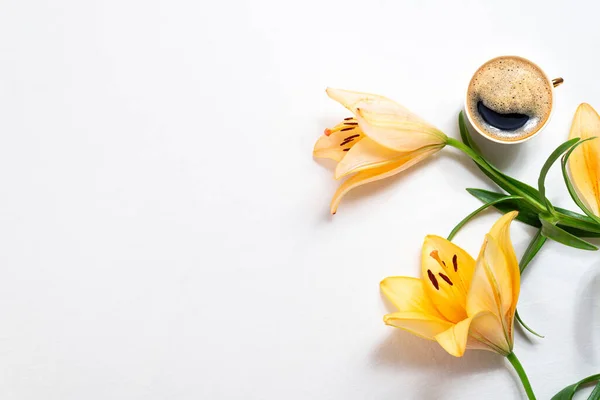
{"points": [[534, 246], [480, 209], [529, 216], [524, 325], [580, 217], [544, 171], [565, 220], [559, 235], [568, 392], [526, 213], [595, 395], [504, 181]]}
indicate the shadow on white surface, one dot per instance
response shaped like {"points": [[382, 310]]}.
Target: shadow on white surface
{"points": [[586, 321], [403, 351]]}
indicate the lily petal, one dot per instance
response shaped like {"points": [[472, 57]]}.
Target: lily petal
{"points": [[387, 122], [488, 330], [447, 272], [408, 295], [492, 292], [454, 340], [337, 142], [398, 130], [420, 324], [584, 163], [365, 155], [375, 174], [349, 99], [501, 233]]}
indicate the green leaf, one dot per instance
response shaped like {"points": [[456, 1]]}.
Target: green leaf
{"points": [[580, 233], [565, 220], [480, 209], [595, 395], [529, 215], [570, 187], [544, 171], [580, 217], [559, 235], [526, 213], [534, 246], [524, 325], [568, 392], [523, 187]]}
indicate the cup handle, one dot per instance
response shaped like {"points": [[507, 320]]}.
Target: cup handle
{"points": [[557, 81]]}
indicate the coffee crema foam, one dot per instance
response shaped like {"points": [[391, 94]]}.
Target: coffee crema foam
{"points": [[509, 85]]}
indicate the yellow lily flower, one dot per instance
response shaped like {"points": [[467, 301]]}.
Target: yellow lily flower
{"points": [[381, 139], [584, 162], [461, 303]]}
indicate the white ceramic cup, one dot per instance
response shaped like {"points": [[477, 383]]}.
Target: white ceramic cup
{"points": [[552, 83]]}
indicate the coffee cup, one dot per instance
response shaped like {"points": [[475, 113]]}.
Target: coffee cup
{"points": [[510, 99]]}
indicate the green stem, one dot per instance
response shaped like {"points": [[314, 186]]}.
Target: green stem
{"points": [[480, 209], [522, 375], [525, 326], [534, 246], [483, 164]]}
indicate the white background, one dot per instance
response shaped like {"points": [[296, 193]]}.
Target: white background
{"points": [[164, 230]]}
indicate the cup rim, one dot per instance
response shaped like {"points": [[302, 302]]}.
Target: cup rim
{"points": [[493, 139]]}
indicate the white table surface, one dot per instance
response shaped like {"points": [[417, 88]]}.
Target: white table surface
{"points": [[164, 230]]}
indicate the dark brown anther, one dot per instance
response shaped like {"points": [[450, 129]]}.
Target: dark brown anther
{"points": [[345, 142], [455, 263], [434, 281], [350, 123], [444, 277], [351, 137], [347, 129], [348, 119], [345, 149], [444, 262]]}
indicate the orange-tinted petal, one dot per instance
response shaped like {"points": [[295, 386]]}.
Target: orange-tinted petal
{"points": [[584, 162], [420, 324], [350, 99], [492, 292], [399, 130], [368, 154], [337, 142], [408, 294], [454, 339], [387, 122], [501, 232], [488, 330], [374, 174], [447, 271]]}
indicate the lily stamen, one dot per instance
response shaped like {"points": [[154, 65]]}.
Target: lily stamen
{"points": [[444, 277]]}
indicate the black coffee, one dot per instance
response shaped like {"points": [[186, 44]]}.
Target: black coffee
{"points": [[509, 98], [505, 122]]}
